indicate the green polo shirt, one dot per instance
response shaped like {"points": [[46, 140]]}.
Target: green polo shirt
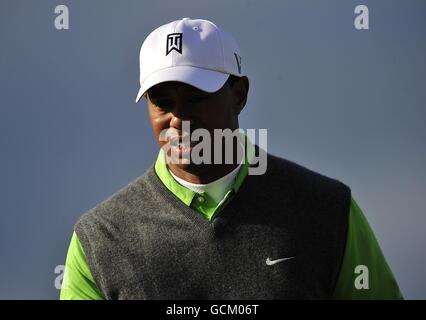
{"points": [[201, 202], [364, 273]]}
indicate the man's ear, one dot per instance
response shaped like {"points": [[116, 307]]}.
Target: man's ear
{"points": [[240, 90]]}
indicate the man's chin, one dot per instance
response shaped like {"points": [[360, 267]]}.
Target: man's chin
{"points": [[192, 168]]}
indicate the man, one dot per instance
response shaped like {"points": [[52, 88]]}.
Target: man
{"points": [[212, 230]]}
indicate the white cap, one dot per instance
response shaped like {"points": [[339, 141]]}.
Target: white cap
{"points": [[193, 51]]}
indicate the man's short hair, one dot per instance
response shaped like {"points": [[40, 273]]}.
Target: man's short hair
{"points": [[232, 79]]}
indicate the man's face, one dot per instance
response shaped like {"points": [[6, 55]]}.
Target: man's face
{"points": [[171, 103]]}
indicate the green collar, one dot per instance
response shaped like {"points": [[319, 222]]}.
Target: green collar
{"points": [[201, 202]]}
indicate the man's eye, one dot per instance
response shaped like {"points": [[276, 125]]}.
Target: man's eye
{"points": [[163, 104], [197, 99]]}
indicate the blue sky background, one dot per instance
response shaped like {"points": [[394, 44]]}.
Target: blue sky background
{"points": [[349, 104]]}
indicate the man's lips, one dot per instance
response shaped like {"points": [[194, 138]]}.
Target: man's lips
{"points": [[182, 141]]}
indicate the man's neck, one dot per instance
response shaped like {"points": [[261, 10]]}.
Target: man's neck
{"points": [[204, 175]]}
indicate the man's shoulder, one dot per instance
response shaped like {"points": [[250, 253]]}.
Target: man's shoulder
{"points": [[305, 182], [122, 202], [280, 166]]}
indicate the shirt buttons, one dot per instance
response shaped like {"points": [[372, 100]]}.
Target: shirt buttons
{"points": [[201, 199]]}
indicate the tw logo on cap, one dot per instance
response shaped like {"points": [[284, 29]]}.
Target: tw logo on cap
{"points": [[174, 42]]}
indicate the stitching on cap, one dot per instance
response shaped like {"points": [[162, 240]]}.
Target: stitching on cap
{"points": [[173, 54], [221, 44]]}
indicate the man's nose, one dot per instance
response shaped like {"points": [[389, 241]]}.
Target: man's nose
{"points": [[176, 122], [179, 114]]}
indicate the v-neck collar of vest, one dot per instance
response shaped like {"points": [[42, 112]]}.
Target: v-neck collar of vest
{"points": [[189, 212]]}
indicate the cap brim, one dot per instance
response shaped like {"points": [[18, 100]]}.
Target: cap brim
{"points": [[203, 79]]}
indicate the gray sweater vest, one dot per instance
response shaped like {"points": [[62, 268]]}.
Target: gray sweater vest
{"points": [[144, 243]]}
